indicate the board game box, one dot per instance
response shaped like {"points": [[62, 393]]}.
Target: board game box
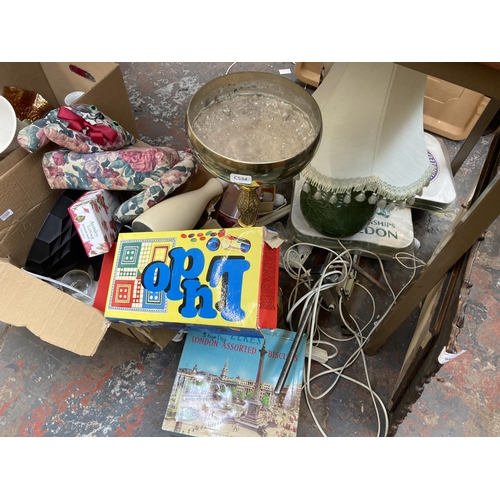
{"points": [[225, 279]]}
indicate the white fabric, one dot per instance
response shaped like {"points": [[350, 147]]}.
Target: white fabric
{"points": [[373, 136]]}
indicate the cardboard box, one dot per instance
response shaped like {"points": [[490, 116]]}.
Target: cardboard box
{"points": [[159, 337], [226, 280], [26, 199], [449, 110], [92, 216]]}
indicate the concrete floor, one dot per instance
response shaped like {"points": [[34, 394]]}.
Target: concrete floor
{"points": [[463, 399], [123, 389]]}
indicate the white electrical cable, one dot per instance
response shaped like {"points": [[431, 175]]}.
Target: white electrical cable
{"points": [[401, 256], [332, 370], [229, 69], [337, 270]]}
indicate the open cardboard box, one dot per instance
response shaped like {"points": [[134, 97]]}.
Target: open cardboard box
{"points": [[26, 199]]}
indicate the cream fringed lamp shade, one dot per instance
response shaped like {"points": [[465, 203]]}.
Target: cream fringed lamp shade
{"points": [[373, 148]]}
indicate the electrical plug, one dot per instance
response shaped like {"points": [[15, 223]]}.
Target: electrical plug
{"points": [[317, 354]]}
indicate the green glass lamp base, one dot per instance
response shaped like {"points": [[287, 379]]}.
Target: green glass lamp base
{"points": [[338, 219]]}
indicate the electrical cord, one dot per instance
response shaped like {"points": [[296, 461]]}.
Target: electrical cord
{"points": [[230, 67], [374, 394], [335, 273]]}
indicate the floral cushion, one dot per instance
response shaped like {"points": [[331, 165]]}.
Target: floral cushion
{"points": [[155, 171], [167, 183], [80, 127]]}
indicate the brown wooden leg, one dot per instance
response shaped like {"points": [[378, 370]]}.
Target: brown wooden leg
{"points": [[475, 134], [479, 217]]}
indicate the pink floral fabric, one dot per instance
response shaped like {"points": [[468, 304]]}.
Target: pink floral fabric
{"points": [[131, 169], [139, 203], [156, 172], [52, 128]]}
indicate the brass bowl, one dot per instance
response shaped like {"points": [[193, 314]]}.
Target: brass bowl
{"points": [[222, 91]]}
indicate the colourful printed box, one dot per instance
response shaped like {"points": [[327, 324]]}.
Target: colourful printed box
{"points": [[92, 216], [226, 279]]}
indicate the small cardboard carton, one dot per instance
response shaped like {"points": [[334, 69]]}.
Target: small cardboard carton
{"points": [[26, 199], [159, 337], [223, 279], [92, 216]]}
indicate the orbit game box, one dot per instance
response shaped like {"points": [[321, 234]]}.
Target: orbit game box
{"points": [[226, 279]]}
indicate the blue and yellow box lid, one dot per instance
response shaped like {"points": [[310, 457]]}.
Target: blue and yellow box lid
{"points": [[225, 278]]}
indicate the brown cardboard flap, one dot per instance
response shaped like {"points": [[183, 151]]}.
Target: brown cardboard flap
{"points": [[10, 160], [130, 331], [27, 76], [159, 336], [55, 317], [109, 97], [27, 196], [107, 92], [66, 77]]}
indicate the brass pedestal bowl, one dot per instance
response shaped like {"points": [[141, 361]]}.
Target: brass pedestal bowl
{"points": [[253, 129]]}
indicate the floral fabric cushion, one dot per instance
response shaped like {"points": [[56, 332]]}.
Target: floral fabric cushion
{"points": [[131, 169], [80, 127], [167, 183], [155, 171]]}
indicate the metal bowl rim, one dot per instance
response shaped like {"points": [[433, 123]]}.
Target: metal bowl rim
{"points": [[254, 74]]}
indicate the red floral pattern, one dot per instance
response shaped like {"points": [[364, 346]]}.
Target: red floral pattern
{"points": [[55, 129], [156, 172]]}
